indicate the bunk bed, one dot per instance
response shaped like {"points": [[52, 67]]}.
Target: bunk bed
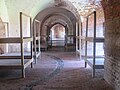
{"points": [[36, 41], [18, 60], [94, 61]]}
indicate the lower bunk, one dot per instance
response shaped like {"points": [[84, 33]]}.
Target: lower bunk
{"points": [[97, 64], [10, 61], [10, 64]]}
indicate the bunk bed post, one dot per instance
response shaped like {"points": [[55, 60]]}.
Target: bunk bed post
{"points": [[39, 40], [31, 33], [51, 38], [22, 47], [47, 38], [86, 43], [66, 35], [34, 41], [94, 45], [76, 36], [79, 38]]}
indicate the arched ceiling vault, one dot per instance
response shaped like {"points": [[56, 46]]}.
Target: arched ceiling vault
{"points": [[62, 22], [53, 10], [59, 13], [54, 18]]}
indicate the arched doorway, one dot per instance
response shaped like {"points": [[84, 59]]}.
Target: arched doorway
{"points": [[57, 35]]}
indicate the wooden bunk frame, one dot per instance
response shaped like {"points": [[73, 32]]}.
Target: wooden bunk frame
{"points": [[19, 61], [95, 62], [36, 42]]}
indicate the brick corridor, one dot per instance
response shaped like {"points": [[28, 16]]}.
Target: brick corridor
{"points": [[55, 71]]}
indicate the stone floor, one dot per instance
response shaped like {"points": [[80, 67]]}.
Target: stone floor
{"points": [[55, 71]]}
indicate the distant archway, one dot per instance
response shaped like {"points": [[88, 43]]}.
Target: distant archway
{"points": [[57, 35]]}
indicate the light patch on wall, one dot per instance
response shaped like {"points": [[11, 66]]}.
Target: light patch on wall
{"points": [[3, 11], [40, 6], [26, 6]]}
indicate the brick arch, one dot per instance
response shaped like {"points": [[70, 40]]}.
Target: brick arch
{"points": [[57, 19], [58, 22], [43, 15], [68, 10], [63, 10], [53, 15], [64, 24]]}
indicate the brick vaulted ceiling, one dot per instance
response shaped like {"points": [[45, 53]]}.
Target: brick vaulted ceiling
{"points": [[61, 11], [68, 11], [84, 7]]}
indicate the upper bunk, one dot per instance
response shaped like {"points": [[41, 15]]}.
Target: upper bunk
{"points": [[18, 40]]}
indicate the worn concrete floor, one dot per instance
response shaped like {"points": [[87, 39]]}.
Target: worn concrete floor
{"points": [[55, 71]]}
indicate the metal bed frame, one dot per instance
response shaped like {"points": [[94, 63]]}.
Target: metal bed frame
{"points": [[95, 62]]}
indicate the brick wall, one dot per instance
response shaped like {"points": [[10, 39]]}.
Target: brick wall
{"points": [[112, 42]]}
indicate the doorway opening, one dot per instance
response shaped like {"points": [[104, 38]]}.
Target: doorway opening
{"points": [[57, 36]]}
